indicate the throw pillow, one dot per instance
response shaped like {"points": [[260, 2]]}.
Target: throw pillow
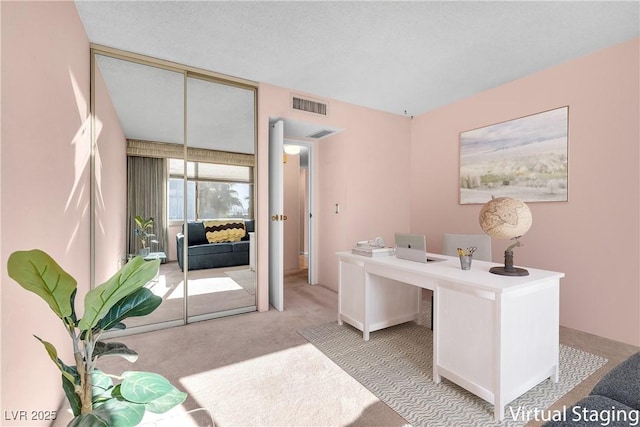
{"points": [[219, 231]]}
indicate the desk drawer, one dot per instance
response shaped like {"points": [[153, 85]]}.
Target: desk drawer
{"points": [[403, 275]]}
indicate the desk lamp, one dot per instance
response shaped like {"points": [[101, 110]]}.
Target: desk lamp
{"points": [[506, 218]]}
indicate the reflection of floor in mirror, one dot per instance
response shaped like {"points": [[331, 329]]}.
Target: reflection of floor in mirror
{"points": [[210, 291]]}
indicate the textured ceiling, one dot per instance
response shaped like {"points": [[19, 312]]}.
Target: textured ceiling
{"points": [[393, 56], [149, 102]]}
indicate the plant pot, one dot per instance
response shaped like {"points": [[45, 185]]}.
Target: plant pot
{"points": [[465, 262], [144, 251]]}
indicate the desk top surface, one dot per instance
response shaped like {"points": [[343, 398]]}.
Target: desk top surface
{"points": [[448, 268]]}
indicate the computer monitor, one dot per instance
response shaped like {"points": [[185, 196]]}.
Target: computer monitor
{"points": [[412, 247]]}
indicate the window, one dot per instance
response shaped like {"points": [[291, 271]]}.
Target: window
{"points": [[176, 199], [213, 191]]}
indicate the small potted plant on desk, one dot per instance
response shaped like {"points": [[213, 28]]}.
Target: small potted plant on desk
{"points": [[143, 228]]}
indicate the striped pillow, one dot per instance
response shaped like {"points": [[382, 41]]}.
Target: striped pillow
{"points": [[224, 230]]}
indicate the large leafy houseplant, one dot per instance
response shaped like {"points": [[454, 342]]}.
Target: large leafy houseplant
{"points": [[143, 228], [94, 397]]}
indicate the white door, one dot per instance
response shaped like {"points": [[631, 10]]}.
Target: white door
{"points": [[276, 207]]}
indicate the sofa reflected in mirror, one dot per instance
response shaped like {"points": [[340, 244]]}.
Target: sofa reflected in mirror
{"points": [[217, 243]]}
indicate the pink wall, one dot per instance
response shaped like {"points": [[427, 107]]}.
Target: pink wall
{"points": [[303, 243], [111, 186], [45, 186], [292, 210], [594, 237], [362, 168]]}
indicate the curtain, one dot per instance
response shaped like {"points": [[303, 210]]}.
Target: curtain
{"points": [[136, 147], [146, 196]]}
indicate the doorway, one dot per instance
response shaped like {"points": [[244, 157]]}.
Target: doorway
{"points": [[293, 133], [297, 205]]}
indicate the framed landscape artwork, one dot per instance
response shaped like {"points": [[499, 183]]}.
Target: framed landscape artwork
{"points": [[525, 158]]}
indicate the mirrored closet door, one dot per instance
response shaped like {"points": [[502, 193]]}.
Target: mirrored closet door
{"points": [[173, 154], [220, 176]]}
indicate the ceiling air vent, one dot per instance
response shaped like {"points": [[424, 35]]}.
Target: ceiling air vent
{"points": [[308, 105], [321, 134]]}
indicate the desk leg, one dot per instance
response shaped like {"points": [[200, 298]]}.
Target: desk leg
{"points": [[366, 323], [435, 335], [498, 410], [340, 293], [498, 399]]}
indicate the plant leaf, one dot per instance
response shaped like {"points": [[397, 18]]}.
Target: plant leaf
{"points": [[37, 272], [102, 385], [69, 388], [114, 349], [88, 420], [115, 393], [96, 331], [98, 301], [120, 413], [72, 302], [53, 355], [118, 326], [164, 403], [143, 387], [139, 303]]}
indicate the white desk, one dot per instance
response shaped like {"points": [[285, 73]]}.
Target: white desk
{"points": [[496, 336]]}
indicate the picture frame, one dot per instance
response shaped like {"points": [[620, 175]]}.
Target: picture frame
{"points": [[525, 158]]}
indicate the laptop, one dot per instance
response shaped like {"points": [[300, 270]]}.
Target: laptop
{"points": [[412, 247]]}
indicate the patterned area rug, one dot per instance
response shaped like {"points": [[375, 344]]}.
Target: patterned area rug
{"points": [[396, 366]]}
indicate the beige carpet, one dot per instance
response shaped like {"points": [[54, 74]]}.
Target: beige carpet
{"points": [[244, 278], [210, 291], [255, 369]]}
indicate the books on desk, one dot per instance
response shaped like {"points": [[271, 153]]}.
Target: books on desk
{"points": [[372, 251]]}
